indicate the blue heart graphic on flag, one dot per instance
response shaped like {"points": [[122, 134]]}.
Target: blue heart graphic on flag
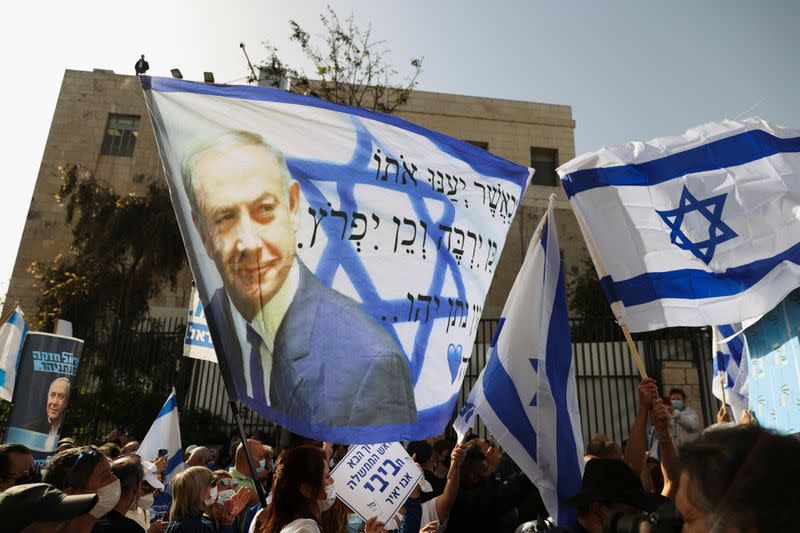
{"points": [[454, 360]]}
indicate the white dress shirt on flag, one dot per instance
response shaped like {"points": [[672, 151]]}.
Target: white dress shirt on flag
{"points": [[694, 230], [526, 396]]}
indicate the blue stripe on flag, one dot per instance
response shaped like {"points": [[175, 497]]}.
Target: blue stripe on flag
{"points": [[693, 284], [170, 405], [558, 362], [503, 399], [482, 162], [728, 152], [173, 462], [735, 344]]}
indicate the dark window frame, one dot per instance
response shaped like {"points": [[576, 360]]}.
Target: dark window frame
{"points": [[545, 167], [120, 135]]}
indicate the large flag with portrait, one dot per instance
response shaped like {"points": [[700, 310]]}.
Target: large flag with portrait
{"points": [[342, 256], [696, 229]]}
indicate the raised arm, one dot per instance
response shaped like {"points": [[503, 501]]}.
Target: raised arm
{"points": [[670, 466], [636, 448], [446, 500]]}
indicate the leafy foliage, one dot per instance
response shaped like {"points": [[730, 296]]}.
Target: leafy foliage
{"points": [[124, 250], [586, 297], [350, 69]]}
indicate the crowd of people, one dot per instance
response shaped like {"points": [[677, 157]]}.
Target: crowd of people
{"points": [[729, 477]]}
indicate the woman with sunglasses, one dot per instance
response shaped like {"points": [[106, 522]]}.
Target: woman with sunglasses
{"points": [[193, 491]]}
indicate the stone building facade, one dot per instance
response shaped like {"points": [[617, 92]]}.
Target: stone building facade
{"points": [[101, 123]]}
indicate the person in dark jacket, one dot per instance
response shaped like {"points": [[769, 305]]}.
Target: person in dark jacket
{"points": [[141, 66]]}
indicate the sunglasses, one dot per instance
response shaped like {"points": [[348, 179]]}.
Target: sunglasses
{"points": [[88, 451]]}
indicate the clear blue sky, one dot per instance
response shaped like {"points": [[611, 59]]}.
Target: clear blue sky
{"points": [[631, 70]]}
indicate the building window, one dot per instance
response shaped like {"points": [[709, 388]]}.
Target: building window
{"points": [[544, 161], [121, 134], [479, 144]]}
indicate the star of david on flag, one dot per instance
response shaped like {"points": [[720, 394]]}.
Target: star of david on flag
{"points": [[726, 192], [711, 210]]}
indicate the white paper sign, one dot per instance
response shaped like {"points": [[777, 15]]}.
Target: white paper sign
{"points": [[197, 342], [376, 479]]}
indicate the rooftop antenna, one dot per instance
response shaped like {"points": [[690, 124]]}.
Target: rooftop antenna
{"points": [[252, 78]]}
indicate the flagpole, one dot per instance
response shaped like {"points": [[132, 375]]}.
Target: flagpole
{"points": [[250, 463], [634, 351], [722, 383]]}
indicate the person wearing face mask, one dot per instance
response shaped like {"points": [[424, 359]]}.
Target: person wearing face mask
{"points": [[16, 466], [193, 491], [302, 488], [85, 471], [128, 469], [240, 471], [226, 513], [142, 512], [41, 508], [685, 420]]}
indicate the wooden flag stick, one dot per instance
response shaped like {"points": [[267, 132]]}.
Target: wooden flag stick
{"points": [[722, 383], [634, 352]]}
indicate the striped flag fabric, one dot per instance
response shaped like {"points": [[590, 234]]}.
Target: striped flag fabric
{"points": [[693, 230], [12, 337], [165, 433], [730, 367], [526, 395]]}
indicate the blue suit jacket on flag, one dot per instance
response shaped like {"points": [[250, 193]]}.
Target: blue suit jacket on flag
{"points": [[332, 364]]}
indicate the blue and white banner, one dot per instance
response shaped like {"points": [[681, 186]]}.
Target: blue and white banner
{"points": [[44, 383], [342, 256], [730, 367], [12, 336], [165, 434], [773, 360], [526, 396], [694, 230], [197, 343]]}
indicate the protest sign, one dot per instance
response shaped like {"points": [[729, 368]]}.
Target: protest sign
{"points": [[197, 343], [342, 256], [376, 479], [46, 373], [774, 366]]}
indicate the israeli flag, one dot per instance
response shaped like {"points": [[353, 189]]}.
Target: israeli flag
{"points": [[12, 337], [730, 368], [197, 343], [526, 395], [694, 230], [165, 433]]}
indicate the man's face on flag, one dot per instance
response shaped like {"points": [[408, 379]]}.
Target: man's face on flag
{"points": [[248, 222]]}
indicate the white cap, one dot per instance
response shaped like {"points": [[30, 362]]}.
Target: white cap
{"points": [[151, 475]]}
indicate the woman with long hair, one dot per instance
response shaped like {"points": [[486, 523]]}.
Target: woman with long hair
{"points": [[193, 490]]}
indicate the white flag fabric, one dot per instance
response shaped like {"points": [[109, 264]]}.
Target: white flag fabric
{"points": [[198, 344], [694, 230], [12, 337], [526, 395], [730, 367], [165, 433]]}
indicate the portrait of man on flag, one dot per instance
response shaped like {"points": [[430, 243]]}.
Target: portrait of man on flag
{"points": [[293, 334], [341, 256]]}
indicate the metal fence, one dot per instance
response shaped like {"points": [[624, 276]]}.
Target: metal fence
{"points": [[124, 383], [605, 374]]}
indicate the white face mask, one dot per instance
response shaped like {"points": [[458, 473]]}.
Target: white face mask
{"points": [[225, 495], [146, 501], [212, 497], [330, 497], [108, 499]]}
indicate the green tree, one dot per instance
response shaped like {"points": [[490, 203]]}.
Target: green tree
{"points": [[351, 68], [586, 297], [124, 250]]}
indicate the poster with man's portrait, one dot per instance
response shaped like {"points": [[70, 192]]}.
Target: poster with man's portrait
{"points": [[47, 370], [342, 256]]}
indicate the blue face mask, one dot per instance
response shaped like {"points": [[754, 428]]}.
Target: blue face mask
{"points": [[677, 404], [262, 464]]}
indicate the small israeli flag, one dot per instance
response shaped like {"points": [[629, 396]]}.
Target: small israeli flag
{"points": [[730, 367], [694, 230], [526, 396], [12, 337], [165, 433]]}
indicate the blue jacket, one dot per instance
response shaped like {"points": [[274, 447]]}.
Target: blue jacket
{"points": [[332, 363]]}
